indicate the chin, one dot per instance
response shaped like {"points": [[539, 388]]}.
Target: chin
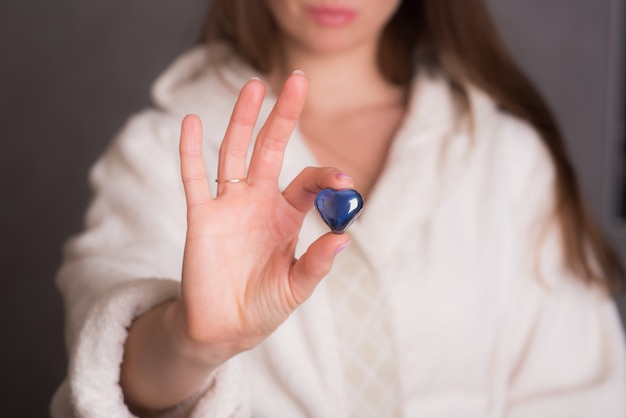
{"points": [[330, 43]]}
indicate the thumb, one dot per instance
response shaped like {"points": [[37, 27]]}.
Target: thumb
{"points": [[315, 264]]}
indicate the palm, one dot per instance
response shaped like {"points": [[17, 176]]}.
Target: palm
{"points": [[242, 250], [240, 278]]}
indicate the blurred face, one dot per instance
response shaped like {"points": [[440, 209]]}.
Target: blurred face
{"points": [[332, 25]]}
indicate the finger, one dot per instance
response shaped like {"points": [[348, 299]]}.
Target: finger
{"points": [[191, 162], [234, 147], [315, 264], [269, 149], [302, 190]]}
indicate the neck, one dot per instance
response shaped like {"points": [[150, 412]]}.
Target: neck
{"points": [[342, 82]]}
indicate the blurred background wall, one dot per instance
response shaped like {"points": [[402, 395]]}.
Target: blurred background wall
{"points": [[72, 71]]}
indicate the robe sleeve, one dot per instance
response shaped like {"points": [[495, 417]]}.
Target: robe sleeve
{"points": [[128, 260], [566, 346]]}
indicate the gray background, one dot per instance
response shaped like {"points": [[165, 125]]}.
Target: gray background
{"points": [[72, 71]]}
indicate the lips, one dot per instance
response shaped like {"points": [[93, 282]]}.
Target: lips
{"points": [[331, 16]]}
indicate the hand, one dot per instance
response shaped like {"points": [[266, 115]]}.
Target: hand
{"points": [[240, 279]]}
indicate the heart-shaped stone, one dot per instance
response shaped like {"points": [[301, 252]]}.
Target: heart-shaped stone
{"points": [[338, 208]]}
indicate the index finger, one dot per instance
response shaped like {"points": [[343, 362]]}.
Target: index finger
{"points": [[269, 149]]}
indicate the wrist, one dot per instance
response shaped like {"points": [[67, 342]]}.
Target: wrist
{"points": [[162, 366], [200, 353]]}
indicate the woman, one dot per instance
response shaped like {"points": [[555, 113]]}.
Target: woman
{"points": [[473, 285]]}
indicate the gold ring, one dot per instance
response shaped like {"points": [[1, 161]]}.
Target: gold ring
{"points": [[236, 180]]}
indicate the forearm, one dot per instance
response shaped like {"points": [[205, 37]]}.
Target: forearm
{"points": [[161, 366]]}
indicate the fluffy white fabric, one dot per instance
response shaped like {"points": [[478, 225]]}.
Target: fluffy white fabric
{"points": [[486, 321]]}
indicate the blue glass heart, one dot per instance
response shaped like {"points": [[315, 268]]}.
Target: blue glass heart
{"points": [[338, 208]]}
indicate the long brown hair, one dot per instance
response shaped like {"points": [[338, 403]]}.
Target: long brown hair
{"points": [[459, 37]]}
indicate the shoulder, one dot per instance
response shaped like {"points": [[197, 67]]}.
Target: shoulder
{"points": [[471, 116], [205, 80], [512, 146], [492, 141]]}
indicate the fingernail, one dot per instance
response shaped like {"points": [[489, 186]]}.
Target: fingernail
{"points": [[298, 72], [256, 78], [341, 247], [343, 177]]}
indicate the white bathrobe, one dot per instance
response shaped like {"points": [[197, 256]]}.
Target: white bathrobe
{"points": [[485, 319]]}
